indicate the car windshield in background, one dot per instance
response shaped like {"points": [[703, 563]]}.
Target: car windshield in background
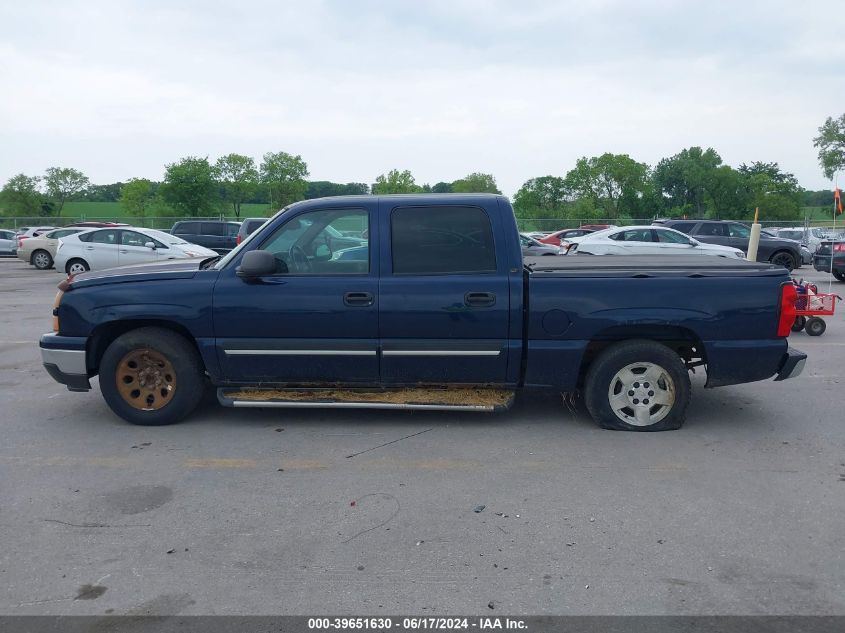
{"points": [[167, 238]]}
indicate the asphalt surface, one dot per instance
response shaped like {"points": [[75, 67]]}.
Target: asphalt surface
{"points": [[269, 512]]}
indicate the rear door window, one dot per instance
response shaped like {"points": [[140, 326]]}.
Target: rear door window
{"points": [[441, 240], [104, 237], [186, 228], [712, 229], [683, 227], [738, 230]]}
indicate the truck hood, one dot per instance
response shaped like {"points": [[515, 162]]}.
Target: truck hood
{"points": [[173, 269]]}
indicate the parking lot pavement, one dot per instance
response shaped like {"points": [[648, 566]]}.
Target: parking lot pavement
{"points": [[303, 512]]}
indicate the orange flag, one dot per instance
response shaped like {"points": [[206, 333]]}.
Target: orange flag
{"points": [[837, 197]]}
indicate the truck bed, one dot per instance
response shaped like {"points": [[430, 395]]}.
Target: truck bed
{"points": [[648, 266]]}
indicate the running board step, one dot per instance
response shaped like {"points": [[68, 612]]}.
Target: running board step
{"points": [[456, 399]]}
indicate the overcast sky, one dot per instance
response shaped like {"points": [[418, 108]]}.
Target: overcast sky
{"points": [[443, 87]]}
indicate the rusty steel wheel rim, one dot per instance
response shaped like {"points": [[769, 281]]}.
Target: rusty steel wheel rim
{"points": [[145, 379]]}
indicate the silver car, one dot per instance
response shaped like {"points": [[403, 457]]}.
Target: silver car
{"points": [[8, 242], [533, 248]]}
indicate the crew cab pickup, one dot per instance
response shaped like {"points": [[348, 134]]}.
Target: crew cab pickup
{"points": [[429, 306]]}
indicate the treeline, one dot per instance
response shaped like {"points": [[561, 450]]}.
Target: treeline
{"points": [[692, 183]]}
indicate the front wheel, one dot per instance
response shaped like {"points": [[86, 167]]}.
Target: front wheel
{"points": [[637, 386], [839, 276], [151, 376], [42, 260]]}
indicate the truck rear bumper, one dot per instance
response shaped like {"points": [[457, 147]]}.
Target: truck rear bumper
{"points": [[792, 364], [64, 359]]}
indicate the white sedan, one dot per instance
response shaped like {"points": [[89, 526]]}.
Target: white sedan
{"points": [[110, 247], [647, 240]]}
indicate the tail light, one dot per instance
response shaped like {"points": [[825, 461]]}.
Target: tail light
{"points": [[788, 297], [237, 239], [839, 248]]}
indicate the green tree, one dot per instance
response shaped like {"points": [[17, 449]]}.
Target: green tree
{"points": [[284, 176], [775, 192], [396, 181], [20, 196], [476, 183], [682, 179], [727, 194], [324, 188], [442, 187], [543, 197], [238, 179], [613, 182], [831, 144], [62, 183], [138, 196], [189, 187]]}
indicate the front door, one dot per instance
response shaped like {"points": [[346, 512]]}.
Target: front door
{"points": [[443, 296], [134, 250], [316, 319]]}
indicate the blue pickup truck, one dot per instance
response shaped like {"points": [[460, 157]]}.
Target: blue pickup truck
{"points": [[431, 308]]}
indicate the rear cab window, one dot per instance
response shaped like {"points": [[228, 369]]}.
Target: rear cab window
{"points": [[441, 240]]}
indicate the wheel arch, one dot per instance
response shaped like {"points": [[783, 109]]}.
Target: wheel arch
{"points": [[683, 341], [103, 335]]}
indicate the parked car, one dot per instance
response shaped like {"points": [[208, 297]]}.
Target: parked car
{"points": [[810, 237], [40, 251], [92, 224], [96, 249], [535, 248], [778, 251], [835, 250], [31, 232], [8, 242], [441, 315], [557, 237], [598, 227], [648, 240], [248, 227], [218, 235]]}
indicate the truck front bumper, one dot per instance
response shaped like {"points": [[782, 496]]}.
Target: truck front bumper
{"points": [[792, 364], [64, 358]]}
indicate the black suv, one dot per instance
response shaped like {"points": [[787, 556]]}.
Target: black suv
{"points": [[248, 226], [218, 235], [834, 248], [786, 253]]}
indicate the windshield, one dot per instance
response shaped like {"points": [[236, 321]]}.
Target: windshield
{"points": [[167, 238], [221, 264]]}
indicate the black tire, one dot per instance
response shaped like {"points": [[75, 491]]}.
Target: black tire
{"points": [[41, 259], [839, 276], [815, 326], [76, 260], [602, 377], [185, 361], [799, 323], [783, 258]]}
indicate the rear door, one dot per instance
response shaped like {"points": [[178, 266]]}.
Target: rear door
{"points": [[100, 249], [444, 302], [212, 235]]}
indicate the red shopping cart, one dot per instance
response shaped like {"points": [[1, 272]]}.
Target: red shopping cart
{"points": [[810, 307]]}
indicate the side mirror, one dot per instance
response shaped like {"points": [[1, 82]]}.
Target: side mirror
{"points": [[693, 242], [256, 264], [151, 245]]}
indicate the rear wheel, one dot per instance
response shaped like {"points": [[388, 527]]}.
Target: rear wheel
{"points": [[42, 260], [783, 258], [815, 326], [638, 386], [77, 267], [151, 376]]}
